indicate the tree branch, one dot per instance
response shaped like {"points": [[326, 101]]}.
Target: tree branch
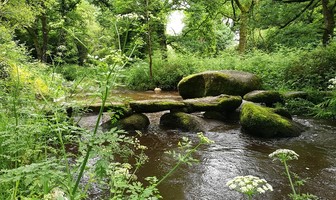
{"points": [[299, 14], [234, 10]]}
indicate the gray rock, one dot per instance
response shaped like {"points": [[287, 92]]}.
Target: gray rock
{"points": [[148, 106], [221, 103], [213, 83], [296, 94], [264, 96]]}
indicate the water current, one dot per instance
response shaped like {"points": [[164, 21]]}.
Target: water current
{"points": [[234, 154]]}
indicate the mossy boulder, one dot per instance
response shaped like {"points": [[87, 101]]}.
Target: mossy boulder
{"points": [[221, 103], [264, 96], [134, 122], [149, 106], [214, 83], [183, 121], [263, 122]]}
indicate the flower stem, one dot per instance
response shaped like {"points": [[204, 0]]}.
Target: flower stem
{"points": [[289, 177]]}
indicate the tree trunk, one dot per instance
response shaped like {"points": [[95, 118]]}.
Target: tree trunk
{"points": [[44, 37], [149, 42], [329, 22], [243, 31], [34, 35], [162, 40]]}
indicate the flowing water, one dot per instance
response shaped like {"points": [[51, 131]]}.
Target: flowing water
{"points": [[235, 153]]}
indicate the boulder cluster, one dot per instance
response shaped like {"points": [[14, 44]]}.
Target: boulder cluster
{"points": [[222, 95]]}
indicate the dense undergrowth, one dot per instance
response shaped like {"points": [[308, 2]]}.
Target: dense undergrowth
{"points": [[283, 70], [44, 153], [36, 130]]}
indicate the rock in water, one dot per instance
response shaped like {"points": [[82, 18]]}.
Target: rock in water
{"points": [[134, 122], [263, 122], [213, 83], [264, 96], [183, 121]]}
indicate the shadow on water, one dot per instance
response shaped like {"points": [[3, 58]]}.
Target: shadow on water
{"points": [[234, 154]]}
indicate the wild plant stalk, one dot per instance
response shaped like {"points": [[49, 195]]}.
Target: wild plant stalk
{"points": [[289, 177], [284, 155], [187, 158], [89, 149], [178, 164], [107, 88], [16, 116]]}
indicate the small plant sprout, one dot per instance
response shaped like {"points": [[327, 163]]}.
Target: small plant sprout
{"points": [[249, 185]]}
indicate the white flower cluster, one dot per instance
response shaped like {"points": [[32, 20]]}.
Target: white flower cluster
{"points": [[56, 194], [249, 185], [284, 155], [138, 146], [332, 83]]}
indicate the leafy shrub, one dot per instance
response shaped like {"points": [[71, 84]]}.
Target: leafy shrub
{"points": [[166, 74], [312, 69], [73, 72], [299, 106]]}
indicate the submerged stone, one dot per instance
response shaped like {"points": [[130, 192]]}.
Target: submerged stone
{"points": [[134, 122], [213, 83], [263, 122], [183, 121]]}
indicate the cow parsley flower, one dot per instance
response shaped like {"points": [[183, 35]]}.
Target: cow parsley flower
{"points": [[284, 155], [249, 185]]}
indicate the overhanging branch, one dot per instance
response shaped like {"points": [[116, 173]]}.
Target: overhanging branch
{"points": [[299, 14]]}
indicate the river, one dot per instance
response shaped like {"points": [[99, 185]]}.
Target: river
{"points": [[234, 153]]}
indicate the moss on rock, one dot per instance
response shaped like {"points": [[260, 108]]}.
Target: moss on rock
{"points": [[148, 106], [134, 122], [263, 122], [221, 103], [183, 121]]}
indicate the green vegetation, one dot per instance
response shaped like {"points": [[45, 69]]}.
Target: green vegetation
{"points": [[54, 50], [285, 155]]}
